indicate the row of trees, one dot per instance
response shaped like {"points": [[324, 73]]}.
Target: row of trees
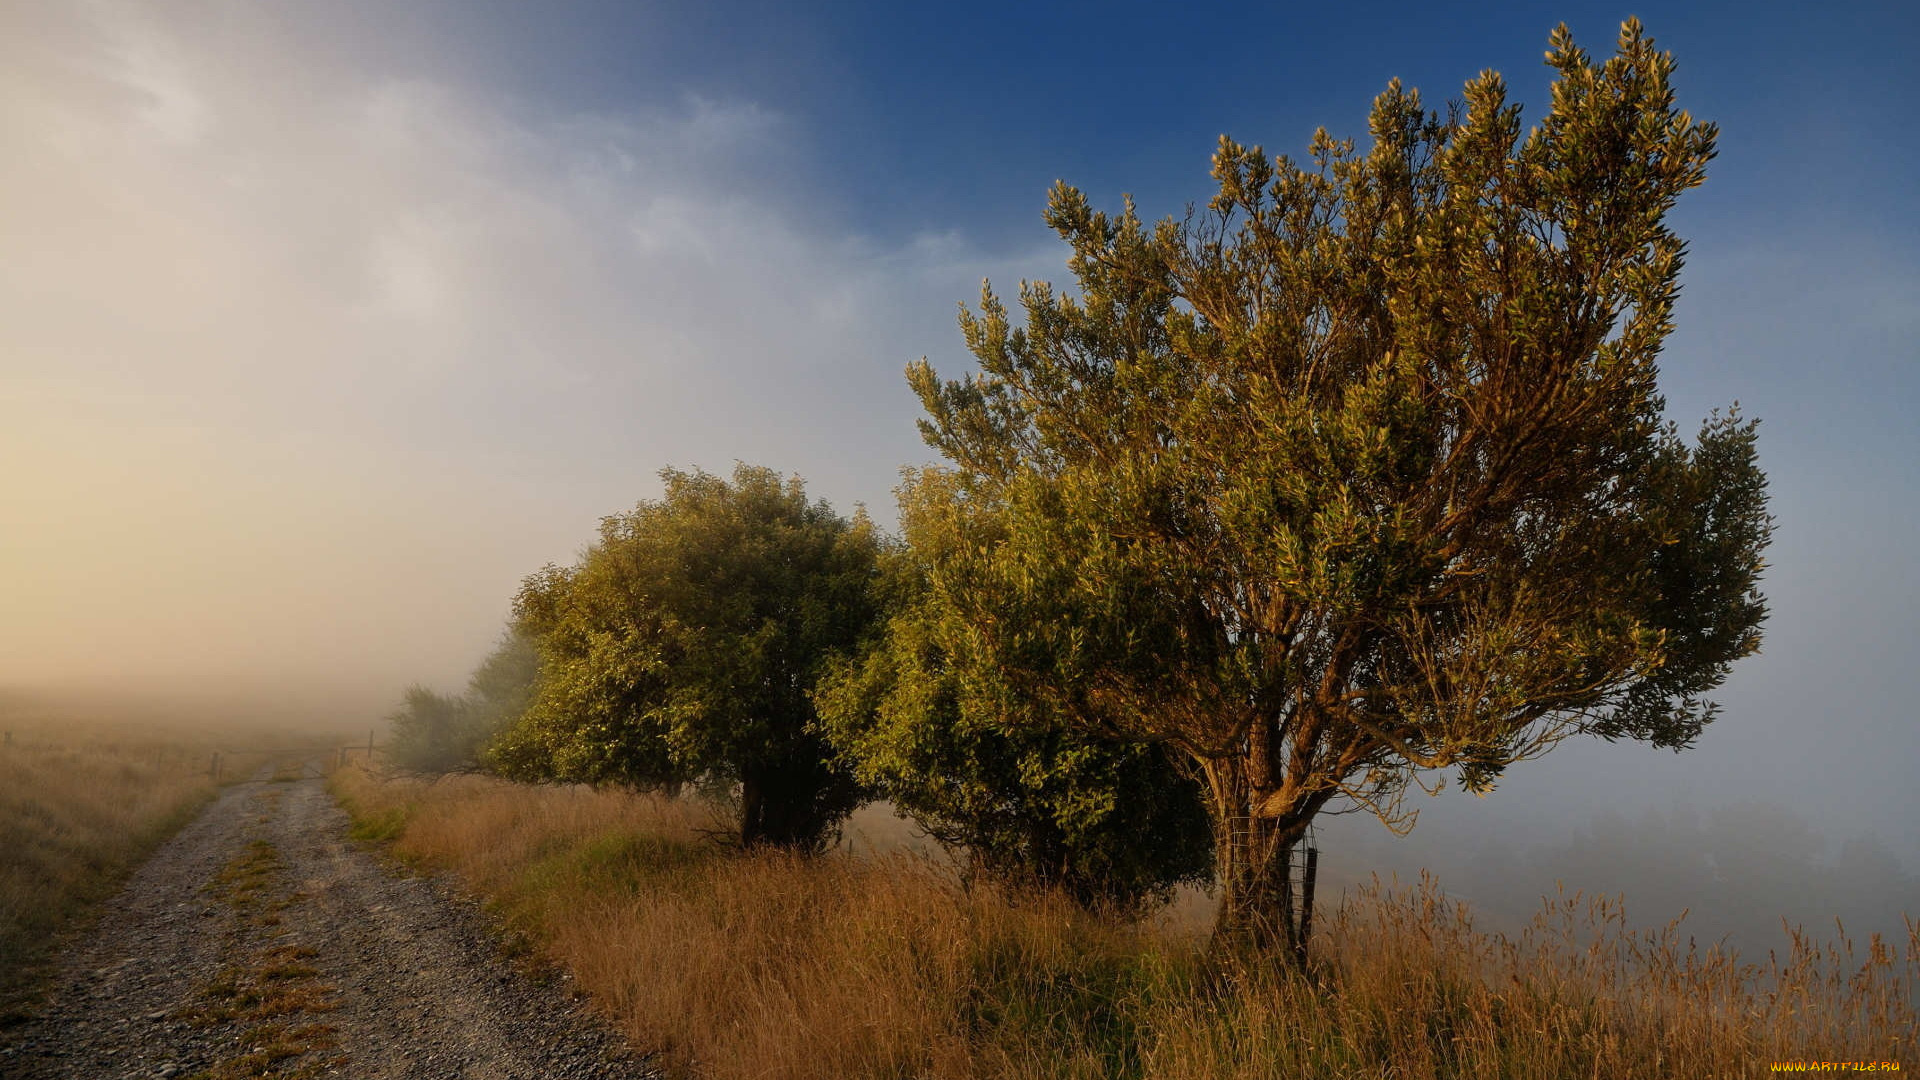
{"points": [[1354, 476]]}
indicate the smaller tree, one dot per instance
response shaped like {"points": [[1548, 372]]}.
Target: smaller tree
{"points": [[501, 688], [929, 723], [430, 732], [683, 646], [439, 733]]}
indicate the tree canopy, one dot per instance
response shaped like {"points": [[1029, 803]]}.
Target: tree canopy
{"points": [[1360, 470], [931, 724], [681, 649]]}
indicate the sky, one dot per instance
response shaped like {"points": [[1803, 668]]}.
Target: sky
{"points": [[322, 325]]}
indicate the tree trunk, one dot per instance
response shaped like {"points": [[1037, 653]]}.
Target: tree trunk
{"points": [[1257, 916], [753, 807]]}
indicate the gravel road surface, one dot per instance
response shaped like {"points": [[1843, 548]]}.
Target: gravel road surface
{"points": [[261, 942]]}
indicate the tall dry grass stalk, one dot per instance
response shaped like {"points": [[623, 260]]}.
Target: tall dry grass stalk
{"points": [[767, 966], [81, 802]]}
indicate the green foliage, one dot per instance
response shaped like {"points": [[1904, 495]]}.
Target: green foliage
{"points": [[380, 826], [430, 732], [930, 725], [501, 688], [683, 645], [1360, 471]]}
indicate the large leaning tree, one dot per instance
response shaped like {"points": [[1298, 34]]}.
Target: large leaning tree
{"points": [[1358, 475], [683, 646]]}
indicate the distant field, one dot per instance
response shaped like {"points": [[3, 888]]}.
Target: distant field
{"points": [[882, 965], [84, 796]]}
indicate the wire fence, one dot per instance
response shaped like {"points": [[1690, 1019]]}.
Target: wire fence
{"points": [[220, 760]]}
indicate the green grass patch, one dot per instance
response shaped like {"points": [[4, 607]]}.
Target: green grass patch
{"points": [[617, 862], [379, 826]]}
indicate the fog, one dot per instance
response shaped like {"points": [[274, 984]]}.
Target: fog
{"points": [[306, 366], [316, 336], [1741, 874]]}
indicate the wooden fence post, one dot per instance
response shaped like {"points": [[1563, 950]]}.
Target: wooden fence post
{"points": [[1306, 900]]}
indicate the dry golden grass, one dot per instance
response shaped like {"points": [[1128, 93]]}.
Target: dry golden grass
{"points": [[767, 966], [82, 800]]}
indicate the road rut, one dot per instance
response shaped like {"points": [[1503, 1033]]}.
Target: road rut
{"points": [[260, 941]]}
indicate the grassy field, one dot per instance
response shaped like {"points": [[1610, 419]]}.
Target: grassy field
{"points": [[767, 966], [84, 796]]}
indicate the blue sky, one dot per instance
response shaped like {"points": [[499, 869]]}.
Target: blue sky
{"points": [[917, 116], [322, 324]]}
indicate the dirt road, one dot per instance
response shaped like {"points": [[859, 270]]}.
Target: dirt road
{"points": [[261, 942]]}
